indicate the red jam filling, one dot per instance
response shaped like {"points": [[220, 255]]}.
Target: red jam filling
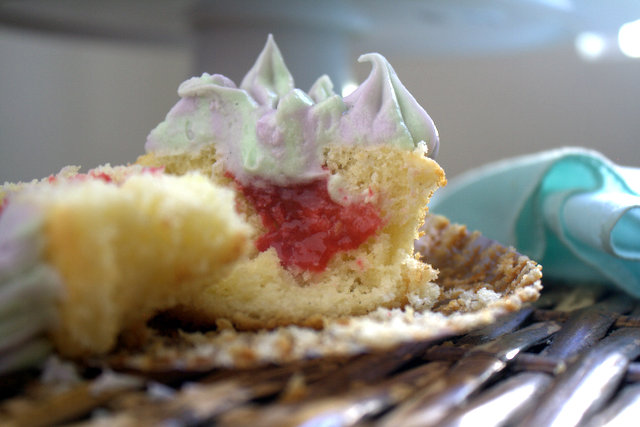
{"points": [[91, 175], [3, 204], [305, 226], [100, 176]]}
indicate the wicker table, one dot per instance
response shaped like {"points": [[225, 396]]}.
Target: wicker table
{"points": [[568, 360]]}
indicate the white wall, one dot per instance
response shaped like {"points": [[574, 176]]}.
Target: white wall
{"points": [[490, 108], [65, 101]]}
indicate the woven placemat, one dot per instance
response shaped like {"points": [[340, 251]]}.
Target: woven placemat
{"points": [[567, 359]]}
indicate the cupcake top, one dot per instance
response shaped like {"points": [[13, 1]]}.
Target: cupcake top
{"points": [[267, 129]]}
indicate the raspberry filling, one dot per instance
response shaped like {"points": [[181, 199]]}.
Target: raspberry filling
{"points": [[305, 226], [100, 176], [91, 175]]}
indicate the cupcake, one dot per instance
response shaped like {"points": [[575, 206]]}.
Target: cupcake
{"points": [[86, 259], [336, 188]]}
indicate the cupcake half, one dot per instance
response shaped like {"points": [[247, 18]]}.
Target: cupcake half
{"points": [[86, 258]]}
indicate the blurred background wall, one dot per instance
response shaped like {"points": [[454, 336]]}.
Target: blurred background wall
{"points": [[68, 101], [71, 99]]}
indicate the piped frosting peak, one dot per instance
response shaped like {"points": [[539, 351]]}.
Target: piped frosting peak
{"points": [[269, 80], [381, 110]]}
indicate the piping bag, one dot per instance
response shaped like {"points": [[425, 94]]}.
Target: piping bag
{"points": [[570, 209]]}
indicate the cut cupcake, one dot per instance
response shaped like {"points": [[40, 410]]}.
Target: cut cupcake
{"points": [[257, 212], [85, 258], [336, 187]]}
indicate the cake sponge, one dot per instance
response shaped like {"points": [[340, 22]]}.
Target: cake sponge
{"points": [[121, 253]]}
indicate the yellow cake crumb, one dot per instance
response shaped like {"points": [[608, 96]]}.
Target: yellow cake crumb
{"points": [[125, 252]]}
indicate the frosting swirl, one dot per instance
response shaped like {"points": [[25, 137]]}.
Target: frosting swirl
{"points": [[269, 130]]}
